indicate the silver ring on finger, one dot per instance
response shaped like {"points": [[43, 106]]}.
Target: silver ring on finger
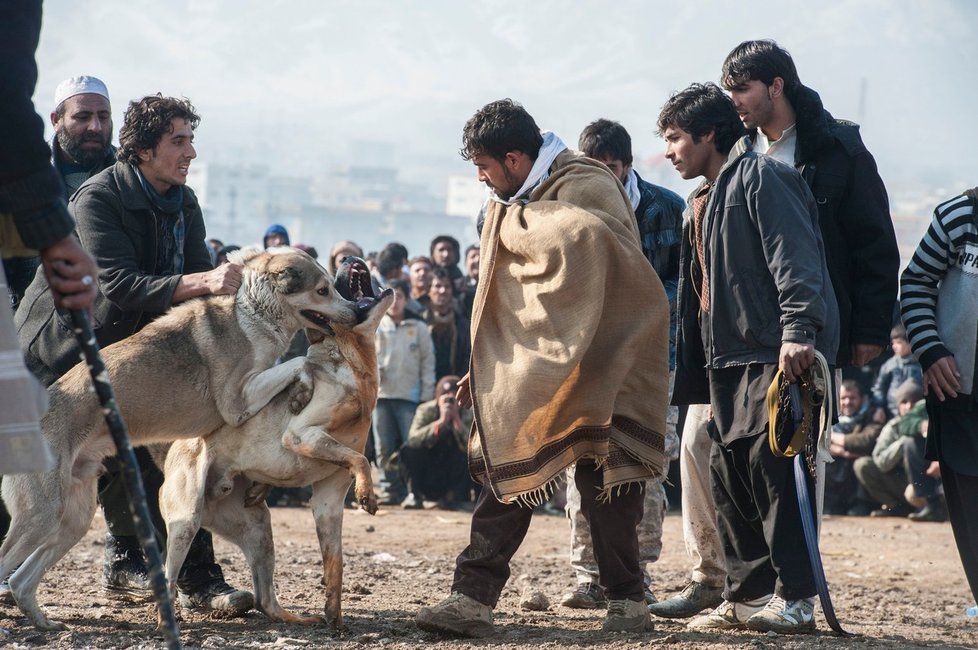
{"points": [[87, 280]]}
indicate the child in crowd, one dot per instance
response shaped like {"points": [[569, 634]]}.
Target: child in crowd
{"points": [[406, 361]]}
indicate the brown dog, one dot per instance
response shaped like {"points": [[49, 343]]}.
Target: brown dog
{"points": [[209, 480], [205, 364]]}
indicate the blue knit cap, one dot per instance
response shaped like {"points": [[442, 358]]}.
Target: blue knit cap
{"points": [[276, 229]]}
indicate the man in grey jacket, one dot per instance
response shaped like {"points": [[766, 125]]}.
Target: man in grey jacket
{"points": [[146, 233], [754, 297]]}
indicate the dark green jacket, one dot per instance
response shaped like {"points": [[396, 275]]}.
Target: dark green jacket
{"points": [[116, 224]]}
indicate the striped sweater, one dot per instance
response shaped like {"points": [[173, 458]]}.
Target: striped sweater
{"points": [[939, 290]]}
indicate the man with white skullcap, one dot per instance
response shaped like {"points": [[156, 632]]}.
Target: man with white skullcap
{"points": [[82, 121], [82, 147]]}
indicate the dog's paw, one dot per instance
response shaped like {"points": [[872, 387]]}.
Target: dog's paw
{"points": [[300, 394], [368, 502]]}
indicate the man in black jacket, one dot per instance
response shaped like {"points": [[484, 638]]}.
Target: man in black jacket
{"points": [[853, 212], [146, 232], [82, 147]]}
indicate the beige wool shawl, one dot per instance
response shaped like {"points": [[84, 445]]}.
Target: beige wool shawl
{"points": [[569, 339]]}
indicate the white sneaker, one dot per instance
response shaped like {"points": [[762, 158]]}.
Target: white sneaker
{"points": [[729, 616], [785, 617]]}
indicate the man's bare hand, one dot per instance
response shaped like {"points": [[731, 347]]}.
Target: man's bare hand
{"points": [[224, 280], [464, 394], [863, 353], [943, 376], [795, 358], [71, 273]]}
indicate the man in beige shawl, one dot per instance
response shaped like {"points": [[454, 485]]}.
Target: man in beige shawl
{"points": [[569, 365]]}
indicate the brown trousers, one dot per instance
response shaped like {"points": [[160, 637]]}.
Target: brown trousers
{"points": [[498, 529]]}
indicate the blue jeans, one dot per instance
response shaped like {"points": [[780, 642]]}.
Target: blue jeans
{"points": [[392, 422]]}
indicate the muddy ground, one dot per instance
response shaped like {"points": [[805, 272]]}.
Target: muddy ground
{"points": [[895, 583]]}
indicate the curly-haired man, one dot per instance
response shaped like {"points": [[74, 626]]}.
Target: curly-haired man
{"points": [[146, 232]]}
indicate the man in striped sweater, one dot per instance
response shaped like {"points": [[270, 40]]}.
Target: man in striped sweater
{"points": [[939, 302]]}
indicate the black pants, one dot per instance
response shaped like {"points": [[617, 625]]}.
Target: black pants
{"points": [[200, 567], [434, 472], [498, 529], [759, 522], [961, 490]]}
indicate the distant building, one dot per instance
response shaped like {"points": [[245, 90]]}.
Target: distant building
{"points": [[465, 196]]}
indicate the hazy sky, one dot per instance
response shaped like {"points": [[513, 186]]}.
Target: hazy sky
{"points": [[292, 83]]}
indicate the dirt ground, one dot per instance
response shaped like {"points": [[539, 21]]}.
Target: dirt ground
{"points": [[895, 583]]}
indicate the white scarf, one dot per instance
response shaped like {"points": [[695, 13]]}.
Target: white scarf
{"points": [[551, 148], [631, 189]]}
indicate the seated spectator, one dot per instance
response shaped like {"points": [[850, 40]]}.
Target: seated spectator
{"points": [[340, 251], [435, 457], [853, 436], [275, 235], [445, 253], [472, 254], [896, 370], [449, 328], [406, 362], [898, 460]]}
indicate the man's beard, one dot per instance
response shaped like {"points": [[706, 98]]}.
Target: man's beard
{"points": [[84, 157]]}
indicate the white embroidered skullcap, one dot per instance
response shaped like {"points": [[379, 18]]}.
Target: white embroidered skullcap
{"points": [[79, 86]]}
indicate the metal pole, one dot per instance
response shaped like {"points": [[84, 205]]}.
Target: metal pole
{"points": [[130, 472]]}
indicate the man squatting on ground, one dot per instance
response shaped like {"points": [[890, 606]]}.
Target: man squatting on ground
{"points": [[33, 218], [659, 217], [786, 120], [939, 303], [754, 296], [146, 232], [569, 357]]}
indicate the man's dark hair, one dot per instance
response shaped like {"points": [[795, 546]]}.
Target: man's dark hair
{"points": [[421, 258], [702, 108], [400, 285], [441, 273], [148, 120], [451, 241], [606, 139], [472, 247], [850, 385], [389, 263], [399, 249], [760, 61], [498, 128]]}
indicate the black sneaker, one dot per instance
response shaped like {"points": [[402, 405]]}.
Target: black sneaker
{"points": [[218, 597], [586, 596], [124, 572]]}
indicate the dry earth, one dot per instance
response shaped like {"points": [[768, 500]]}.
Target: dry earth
{"points": [[895, 583]]}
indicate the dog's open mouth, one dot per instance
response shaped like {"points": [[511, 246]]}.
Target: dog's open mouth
{"points": [[353, 283], [318, 319]]}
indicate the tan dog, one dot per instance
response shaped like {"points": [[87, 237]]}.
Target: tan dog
{"points": [[209, 480], [205, 364]]}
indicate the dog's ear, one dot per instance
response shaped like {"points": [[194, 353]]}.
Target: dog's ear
{"points": [[287, 280]]}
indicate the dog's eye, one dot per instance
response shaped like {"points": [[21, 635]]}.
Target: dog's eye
{"points": [[322, 291]]}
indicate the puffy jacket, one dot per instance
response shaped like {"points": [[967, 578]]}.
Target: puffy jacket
{"points": [[406, 360]]}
